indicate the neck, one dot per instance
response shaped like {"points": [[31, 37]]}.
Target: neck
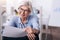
{"points": [[24, 19]]}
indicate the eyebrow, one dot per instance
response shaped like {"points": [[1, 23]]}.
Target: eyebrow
{"points": [[22, 8], [25, 9]]}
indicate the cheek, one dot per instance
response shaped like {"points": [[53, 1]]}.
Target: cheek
{"points": [[27, 14]]}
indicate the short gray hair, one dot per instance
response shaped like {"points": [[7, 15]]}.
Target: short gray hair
{"points": [[27, 3]]}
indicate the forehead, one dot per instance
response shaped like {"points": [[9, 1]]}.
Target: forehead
{"points": [[24, 7]]}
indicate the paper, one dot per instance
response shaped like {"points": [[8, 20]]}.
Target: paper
{"points": [[13, 32]]}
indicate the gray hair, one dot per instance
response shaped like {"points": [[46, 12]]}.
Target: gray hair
{"points": [[27, 3]]}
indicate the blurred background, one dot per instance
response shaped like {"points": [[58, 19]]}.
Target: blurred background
{"points": [[49, 15]]}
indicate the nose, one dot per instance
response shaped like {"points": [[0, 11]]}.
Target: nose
{"points": [[23, 12]]}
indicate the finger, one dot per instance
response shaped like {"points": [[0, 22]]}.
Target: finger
{"points": [[32, 36], [29, 37]]}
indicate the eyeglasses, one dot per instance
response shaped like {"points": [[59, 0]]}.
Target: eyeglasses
{"points": [[25, 10]]}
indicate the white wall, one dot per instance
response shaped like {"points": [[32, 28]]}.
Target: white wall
{"points": [[46, 10], [2, 3], [0, 22], [50, 11], [55, 16]]}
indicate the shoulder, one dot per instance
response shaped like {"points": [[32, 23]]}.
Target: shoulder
{"points": [[32, 17], [14, 18]]}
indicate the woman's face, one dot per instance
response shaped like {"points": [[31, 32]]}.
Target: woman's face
{"points": [[24, 11]]}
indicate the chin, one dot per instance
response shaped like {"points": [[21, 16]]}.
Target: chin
{"points": [[23, 16]]}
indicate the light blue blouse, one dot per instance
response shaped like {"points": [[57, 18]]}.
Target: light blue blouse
{"points": [[32, 22]]}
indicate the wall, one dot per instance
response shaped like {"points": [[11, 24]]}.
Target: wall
{"points": [[46, 11], [51, 12], [2, 4], [55, 16], [0, 20]]}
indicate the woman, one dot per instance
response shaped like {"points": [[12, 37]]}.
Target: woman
{"points": [[26, 22]]}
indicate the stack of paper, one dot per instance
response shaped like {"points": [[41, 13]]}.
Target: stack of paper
{"points": [[13, 32]]}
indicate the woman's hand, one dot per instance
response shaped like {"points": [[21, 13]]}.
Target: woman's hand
{"points": [[29, 30], [31, 36]]}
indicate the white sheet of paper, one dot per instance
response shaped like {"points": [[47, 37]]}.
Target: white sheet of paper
{"points": [[13, 32]]}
